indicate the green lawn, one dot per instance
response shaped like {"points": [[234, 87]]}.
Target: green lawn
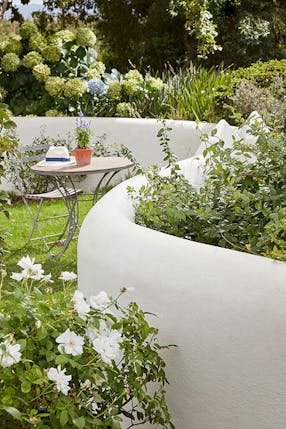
{"points": [[19, 226]]}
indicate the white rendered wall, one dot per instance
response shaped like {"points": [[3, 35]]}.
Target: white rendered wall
{"points": [[226, 310], [139, 135]]}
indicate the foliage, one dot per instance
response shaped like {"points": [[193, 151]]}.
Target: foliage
{"points": [[72, 363], [8, 143], [250, 31], [45, 68], [199, 23], [193, 92], [270, 102], [261, 73], [82, 133], [143, 33], [160, 32], [260, 87], [126, 95], [241, 204]]}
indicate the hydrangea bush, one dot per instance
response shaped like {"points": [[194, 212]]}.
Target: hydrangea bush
{"points": [[69, 362], [61, 73]]}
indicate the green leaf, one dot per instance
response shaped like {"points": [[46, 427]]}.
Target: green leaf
{"points": [[73, 62], [22, 343], [79, 422], [26, 387], [80, 52], [13, 412], [61, 359], [64, 417]]}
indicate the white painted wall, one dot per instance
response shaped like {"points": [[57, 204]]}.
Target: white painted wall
{"points": [[226, 310], [139, 135]]}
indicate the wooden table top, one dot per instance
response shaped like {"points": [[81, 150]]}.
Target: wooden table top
{"points": [[101, 164]]}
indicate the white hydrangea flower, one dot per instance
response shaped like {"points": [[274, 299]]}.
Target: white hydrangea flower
{"points": [[9, 354], [100, 301], [68, 276], [61, 379], [108, 346], [70, 343], [80, 305]]}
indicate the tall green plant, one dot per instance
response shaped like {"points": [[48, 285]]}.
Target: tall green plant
{"points": [[192, 92]]}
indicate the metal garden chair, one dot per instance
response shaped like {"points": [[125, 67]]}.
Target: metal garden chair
{"points": [[30, 155]]}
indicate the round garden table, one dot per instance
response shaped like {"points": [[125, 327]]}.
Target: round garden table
{"points": [[63, 178]]}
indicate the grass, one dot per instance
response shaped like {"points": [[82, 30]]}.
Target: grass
{"points": [[19, 226]]}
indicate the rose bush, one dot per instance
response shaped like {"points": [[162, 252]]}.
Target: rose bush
{"points": [[68, 362], [8, 142]]}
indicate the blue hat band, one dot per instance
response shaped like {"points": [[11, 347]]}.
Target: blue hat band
{"points": [[58, 159]]}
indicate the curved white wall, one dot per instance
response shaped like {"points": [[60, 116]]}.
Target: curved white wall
{"points": [[226, 311], [139, 135]]}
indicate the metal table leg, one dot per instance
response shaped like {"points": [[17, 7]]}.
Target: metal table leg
{"points": [[72, 206], [96, 191]]}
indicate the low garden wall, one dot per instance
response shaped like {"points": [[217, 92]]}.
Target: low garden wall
{"points": [[224, 309], [138, 135]]}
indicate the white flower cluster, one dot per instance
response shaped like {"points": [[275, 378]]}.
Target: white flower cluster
{"points": [[33, 271], [254, 29], [104, 340], [30, 270]]}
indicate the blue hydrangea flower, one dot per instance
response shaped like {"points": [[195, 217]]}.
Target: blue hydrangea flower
{"points": [[97, 87]]}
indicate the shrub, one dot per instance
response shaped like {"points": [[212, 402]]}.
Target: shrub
{"points": [[72, 363], [259, 87], [8, 143], [261, 73], [269, 102], [240, 206]]}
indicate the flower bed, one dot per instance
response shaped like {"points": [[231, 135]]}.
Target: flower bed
{"points": [[72, 363]]}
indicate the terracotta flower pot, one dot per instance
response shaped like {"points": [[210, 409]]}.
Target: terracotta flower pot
{"points": [[82, 156]]}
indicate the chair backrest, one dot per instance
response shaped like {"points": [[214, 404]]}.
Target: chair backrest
{"points": [[33, 153], [24, 180]]}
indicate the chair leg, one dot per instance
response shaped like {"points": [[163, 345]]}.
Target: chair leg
{"points": [[35, 225]]}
